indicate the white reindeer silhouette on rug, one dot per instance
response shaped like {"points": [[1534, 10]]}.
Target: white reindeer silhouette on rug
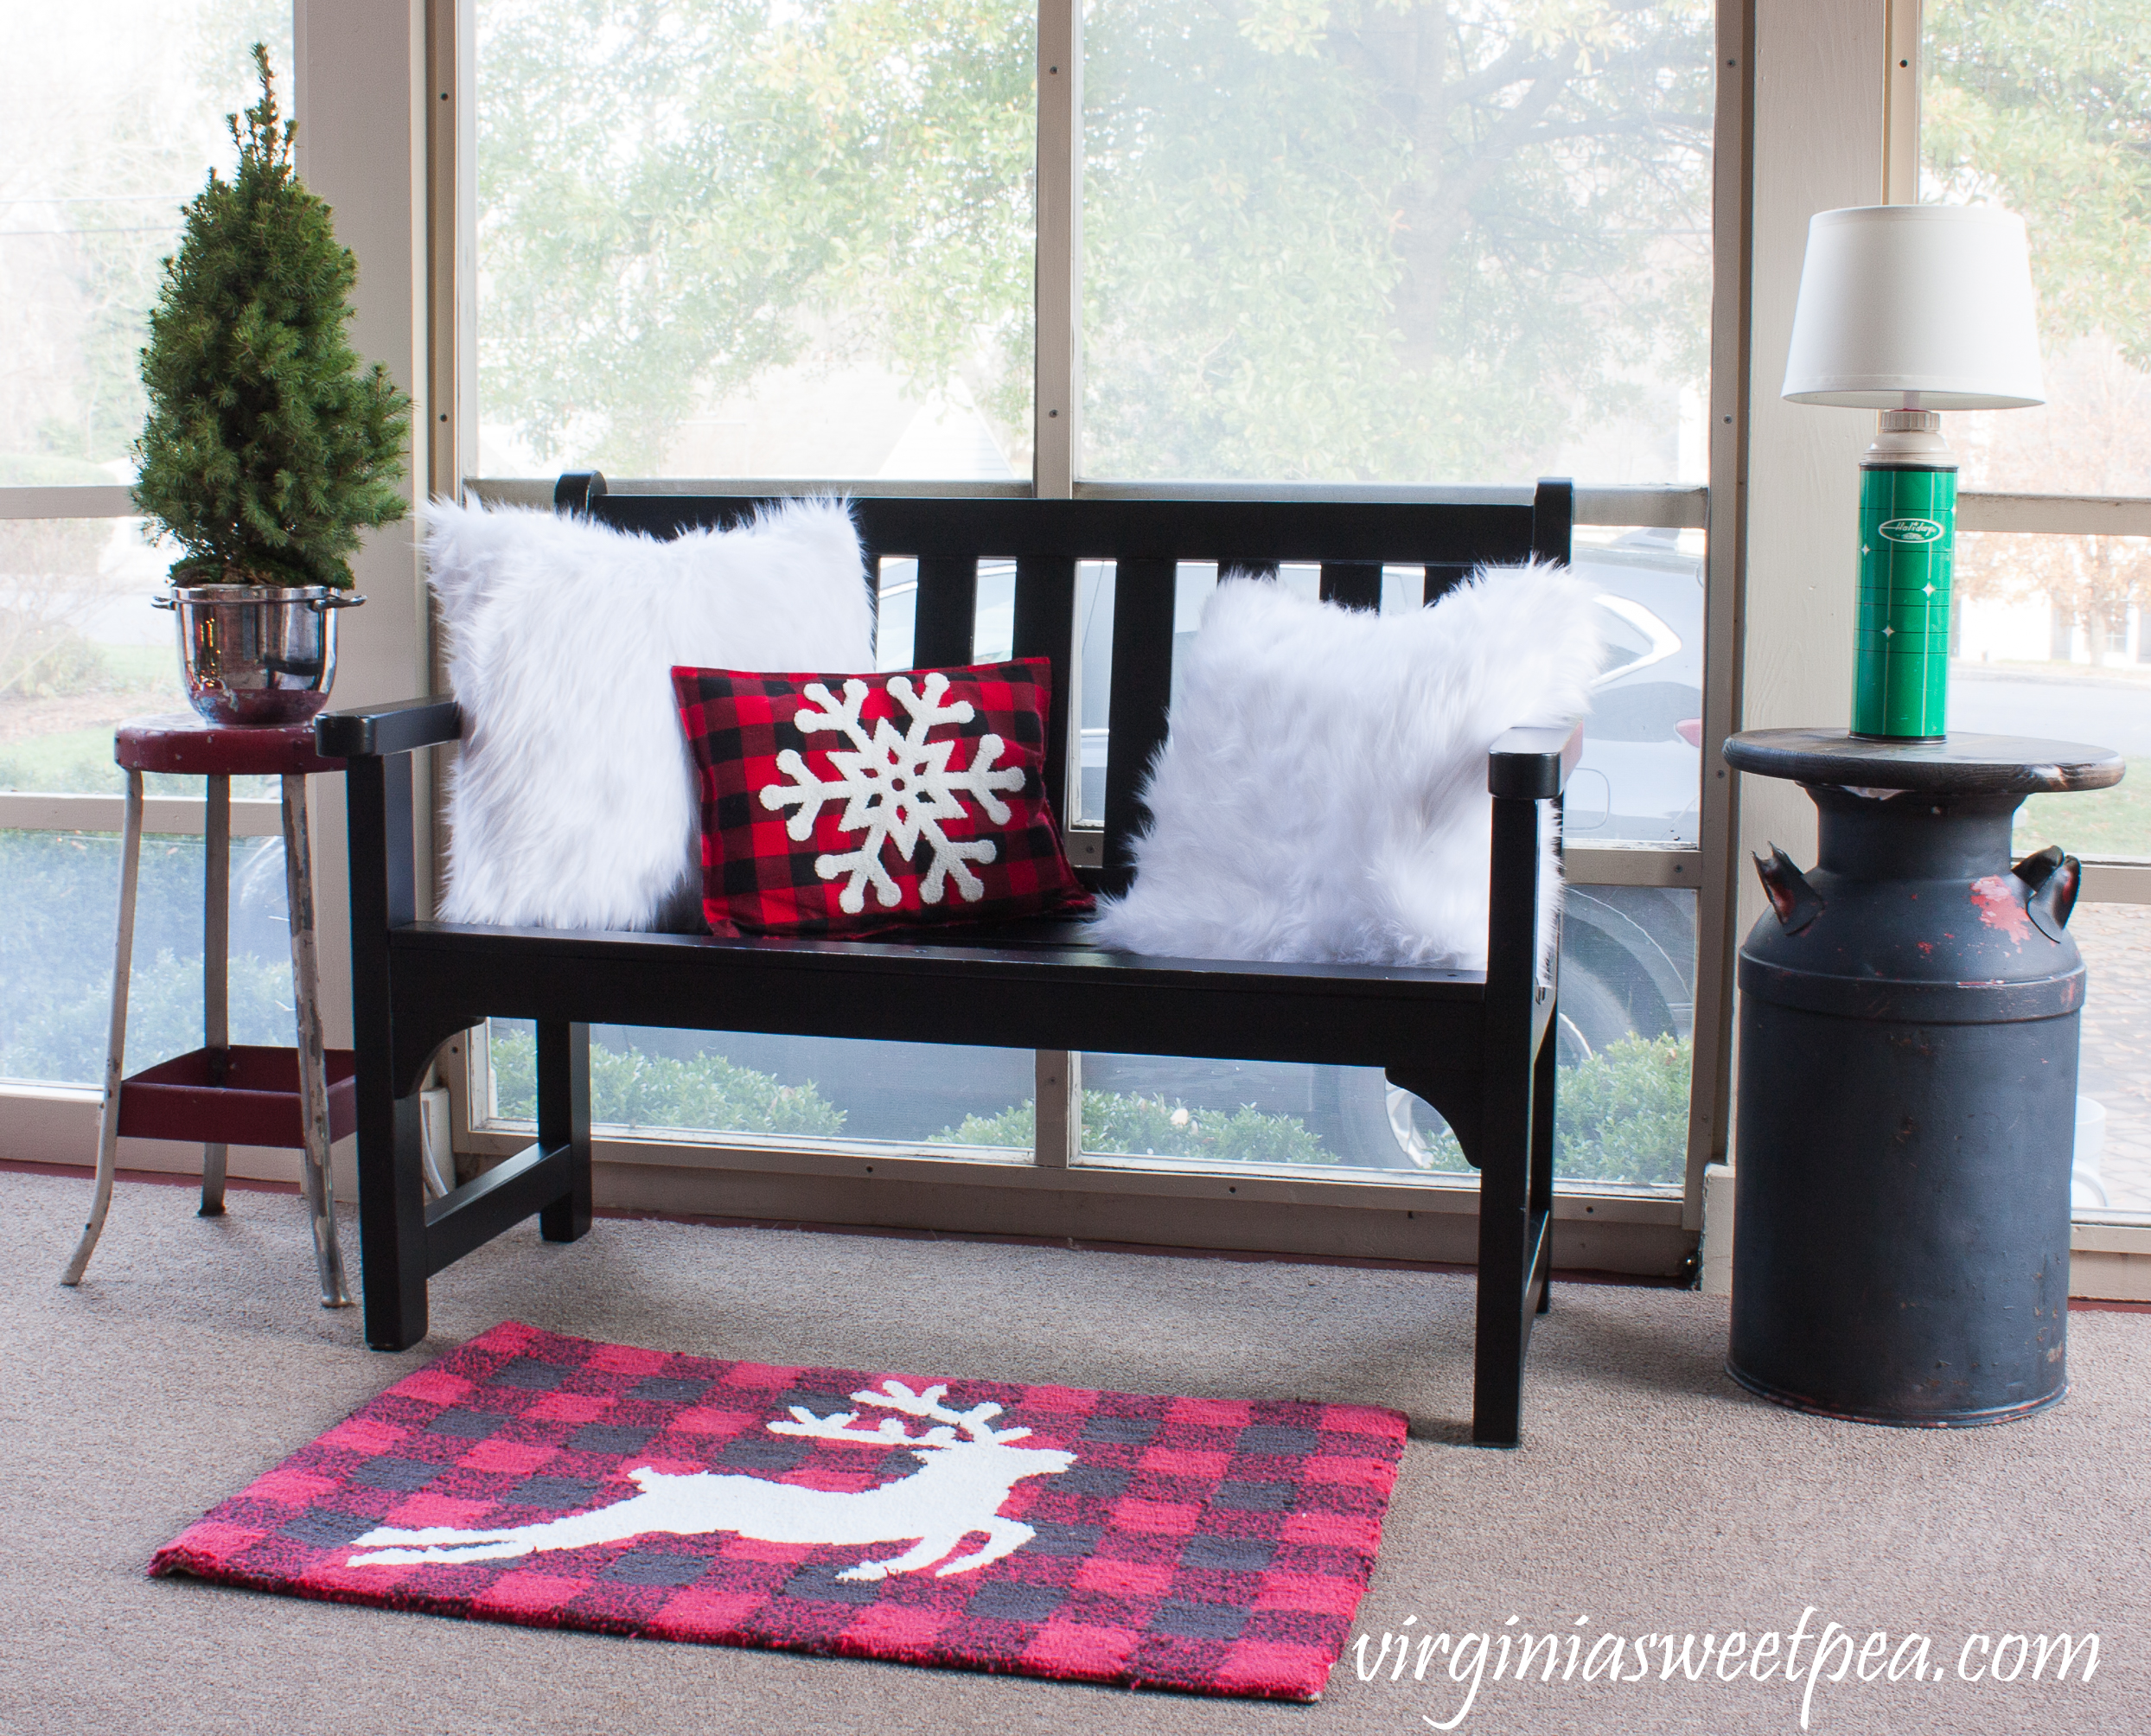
{"points": [[968, 1469]]}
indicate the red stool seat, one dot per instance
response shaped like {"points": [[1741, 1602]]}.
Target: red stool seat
{"points": [[192, 746]]}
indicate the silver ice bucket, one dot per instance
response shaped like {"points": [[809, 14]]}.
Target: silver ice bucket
{"points": [[257, 654]]}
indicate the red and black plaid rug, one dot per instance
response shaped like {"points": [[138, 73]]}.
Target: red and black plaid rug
{"points": [[1210, 1545]]}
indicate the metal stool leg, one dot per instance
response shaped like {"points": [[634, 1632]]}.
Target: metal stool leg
{"points": [[216, 970], [116, 1042], [314, 1173]]}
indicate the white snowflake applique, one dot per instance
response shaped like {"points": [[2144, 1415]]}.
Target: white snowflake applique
{"points": [[895, 789]]}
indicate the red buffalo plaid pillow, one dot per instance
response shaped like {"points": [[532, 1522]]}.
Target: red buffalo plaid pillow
{"points": [[847, 804]]}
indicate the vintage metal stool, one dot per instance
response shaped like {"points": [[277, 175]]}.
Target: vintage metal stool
{"points": [[304, 1098]]}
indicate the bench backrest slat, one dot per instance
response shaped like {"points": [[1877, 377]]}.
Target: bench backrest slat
{"points": [[1444, 577], [1553, 520], [1143, 598], [1355, 583], [946, 610], [1045, 626], [1350, 540]]}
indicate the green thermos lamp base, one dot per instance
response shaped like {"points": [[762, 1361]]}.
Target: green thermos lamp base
{"points": [[1907, 558]]}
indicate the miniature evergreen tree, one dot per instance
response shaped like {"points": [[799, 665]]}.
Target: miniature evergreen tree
{"points": [[267, 446]]}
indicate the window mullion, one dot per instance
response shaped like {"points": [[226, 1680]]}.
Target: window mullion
{"points": [[1901, 106], [2082, 515], [1056, 404], [1056, 411], [36, 811], [1710, 1100], [1059, 1117], [68, 501]]}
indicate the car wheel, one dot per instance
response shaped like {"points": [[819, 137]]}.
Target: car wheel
{"points": [[1374, 1125], [1592, 1014], [1352, 1114]]}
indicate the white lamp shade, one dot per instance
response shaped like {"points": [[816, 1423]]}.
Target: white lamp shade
{"points": [[1929, 299]]}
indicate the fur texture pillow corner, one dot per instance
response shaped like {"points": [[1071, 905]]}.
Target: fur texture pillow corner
{"points": [[572, 804], [1322, 792]]}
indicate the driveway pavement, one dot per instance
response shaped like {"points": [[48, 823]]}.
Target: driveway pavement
{"points": [[2110, 709]]}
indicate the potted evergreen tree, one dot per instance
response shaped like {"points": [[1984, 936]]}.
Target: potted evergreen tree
{"points": [[268, 445]]}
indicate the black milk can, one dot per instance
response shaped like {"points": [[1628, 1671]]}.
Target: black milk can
{"points": [[1906, 1118]]}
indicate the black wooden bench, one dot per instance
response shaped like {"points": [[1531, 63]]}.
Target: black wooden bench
{"points": [[1479, 1047]]}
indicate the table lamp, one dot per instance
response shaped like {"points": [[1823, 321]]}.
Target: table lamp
{"points": [[1910, 309]]}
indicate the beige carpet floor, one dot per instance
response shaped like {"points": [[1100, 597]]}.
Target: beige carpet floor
{"points": [[1651, 1495]]}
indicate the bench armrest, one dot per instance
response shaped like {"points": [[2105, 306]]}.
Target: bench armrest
{"points": [[1533, 760], [394, 729]]}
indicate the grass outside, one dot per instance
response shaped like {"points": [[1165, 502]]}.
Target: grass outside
{"points": [[61, 743], [79, 762], [71, 762], [2114, 821]]}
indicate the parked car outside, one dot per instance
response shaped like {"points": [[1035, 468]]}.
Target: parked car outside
{"points": [[1641, 775]]}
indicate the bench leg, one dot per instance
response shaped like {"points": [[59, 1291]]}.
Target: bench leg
{"points": [[1497, 1353], [1543, 1074], [1515, 1222], [392, 1214], [563, 1120], [393, 1262]]}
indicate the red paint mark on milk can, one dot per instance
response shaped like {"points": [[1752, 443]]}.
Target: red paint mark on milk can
{"points": [[1997, 899]]}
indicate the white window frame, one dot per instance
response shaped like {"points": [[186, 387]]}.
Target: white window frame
{"points": [[438, 39], [1659, 1227], [405, 201]]}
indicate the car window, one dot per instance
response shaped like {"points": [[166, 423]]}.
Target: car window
{"points": [[1634, 637]]}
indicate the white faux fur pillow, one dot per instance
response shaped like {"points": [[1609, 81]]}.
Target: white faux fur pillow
{"points": [[572, 804], [1322, 792]]}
